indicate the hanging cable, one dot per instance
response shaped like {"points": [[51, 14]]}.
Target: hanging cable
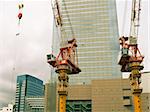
{"points": [[124, 17], [20, 14], [57, 18], [59, 23], [135, 17], [72, 31]]}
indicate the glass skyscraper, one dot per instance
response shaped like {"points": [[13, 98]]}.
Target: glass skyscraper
{"points": [[27, 85], [94, 24]]}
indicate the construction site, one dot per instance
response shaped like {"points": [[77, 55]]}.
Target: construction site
{"points": [[89, 79], [95, 65]]}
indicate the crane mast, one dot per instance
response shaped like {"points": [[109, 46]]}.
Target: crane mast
{"points": [[65, 63], [131, 58]]}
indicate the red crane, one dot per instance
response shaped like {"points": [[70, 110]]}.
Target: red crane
{"points": [[65, 63]]}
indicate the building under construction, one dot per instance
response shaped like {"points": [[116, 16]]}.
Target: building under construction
{"points": [[92, 26]]}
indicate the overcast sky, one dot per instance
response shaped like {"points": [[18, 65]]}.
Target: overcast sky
{"points": [[26, 53]]}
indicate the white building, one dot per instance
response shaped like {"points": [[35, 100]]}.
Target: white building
{"points": [[7, 109], [34, 104]]}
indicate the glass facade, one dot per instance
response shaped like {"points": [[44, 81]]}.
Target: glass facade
{"points": [[94, 23], [27, 86]]}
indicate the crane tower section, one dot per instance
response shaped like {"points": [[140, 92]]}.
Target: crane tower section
{"points": [[131, 58], [66, 62]]}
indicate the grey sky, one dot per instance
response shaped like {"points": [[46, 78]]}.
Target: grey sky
{"points": [[27, 53]]}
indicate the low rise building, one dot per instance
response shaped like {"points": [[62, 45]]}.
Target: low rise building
{"points": [[110, 95], [145, 101], [34, 104], [9, 108]]}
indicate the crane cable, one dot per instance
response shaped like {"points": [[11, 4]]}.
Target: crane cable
{"points": [[123, 18], [20, 14], [72, 31], [60, 29], [135, 17], [53, 9]]}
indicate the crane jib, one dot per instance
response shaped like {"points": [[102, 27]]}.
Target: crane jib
{"points": [[135, 17]]}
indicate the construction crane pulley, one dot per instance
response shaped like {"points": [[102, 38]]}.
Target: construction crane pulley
{"points": [[65, 59]]}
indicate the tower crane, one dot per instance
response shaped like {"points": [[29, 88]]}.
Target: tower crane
{"points": [[131, 58], [65, 62]]}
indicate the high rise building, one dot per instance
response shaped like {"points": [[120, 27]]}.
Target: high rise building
{"points": [[94, 24], [27, 85]]}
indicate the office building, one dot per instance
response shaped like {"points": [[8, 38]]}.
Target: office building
{"points": [[94, 23], [27, 85]]}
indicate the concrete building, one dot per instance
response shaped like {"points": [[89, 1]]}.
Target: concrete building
{"points": [[34, 104], [146, 82], [50, 97], [146, 92], [109, 95], [27, 85], [145, 102], [102, 95]]}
